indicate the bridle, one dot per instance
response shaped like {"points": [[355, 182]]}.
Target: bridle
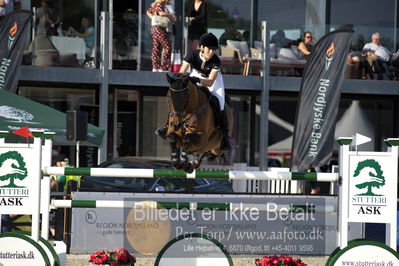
{"points": [[181, 113]]}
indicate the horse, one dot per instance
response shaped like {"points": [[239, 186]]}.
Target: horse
{"points": [[192, 125]]}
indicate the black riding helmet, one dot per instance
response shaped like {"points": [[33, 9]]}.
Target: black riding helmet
{"points": [[209, 40]]}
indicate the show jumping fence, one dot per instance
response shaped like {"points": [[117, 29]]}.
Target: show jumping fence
{"points": [[218, 174], [38, 165]]}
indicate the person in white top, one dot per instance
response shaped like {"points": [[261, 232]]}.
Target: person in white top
{"points": [[377, 56]]}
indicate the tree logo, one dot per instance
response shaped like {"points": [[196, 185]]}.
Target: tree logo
{"points": [[12, 166], [371, 174], [16, 115]]}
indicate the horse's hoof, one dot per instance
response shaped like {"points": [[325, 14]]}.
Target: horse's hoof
{"points": [[177, 165], [196, 164], [162, 131], [186, 165], [212, 157], [189, 169]]}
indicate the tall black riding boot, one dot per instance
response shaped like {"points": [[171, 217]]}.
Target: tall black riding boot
{"points": [[225, 144]]}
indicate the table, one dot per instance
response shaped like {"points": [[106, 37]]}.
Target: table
{"points": [[70, 45]]}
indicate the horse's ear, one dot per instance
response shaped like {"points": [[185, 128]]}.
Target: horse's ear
{"points": [[169, 78]]}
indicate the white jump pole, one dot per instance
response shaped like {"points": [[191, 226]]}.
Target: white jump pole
{"points": [[37, 143], [45, 183], [309, 208], [391, 228], [217, 174], [343, 198], [3, 134]]}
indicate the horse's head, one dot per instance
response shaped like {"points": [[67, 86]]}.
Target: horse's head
{"points": [[178, 82], [178, 89]]}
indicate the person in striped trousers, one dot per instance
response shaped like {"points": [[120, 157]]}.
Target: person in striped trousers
{"points": [[160, 41]]}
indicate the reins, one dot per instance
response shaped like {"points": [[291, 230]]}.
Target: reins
{"points": [[181, 114]]}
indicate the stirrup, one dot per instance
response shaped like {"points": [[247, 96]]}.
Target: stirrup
{"points": [[161, 131], [225, 145]]}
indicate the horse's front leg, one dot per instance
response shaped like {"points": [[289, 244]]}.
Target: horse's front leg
{"points": [[198, 160], [175, 151], [189, 139], [184, 155]]}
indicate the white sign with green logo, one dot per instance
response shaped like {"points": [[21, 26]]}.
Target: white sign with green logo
{"points": [[368, 191], [372, 180], [20, 172], [19, 178]]}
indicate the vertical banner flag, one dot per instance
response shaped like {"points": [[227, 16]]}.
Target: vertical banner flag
{"points": [[13, 34], [319, 100]]}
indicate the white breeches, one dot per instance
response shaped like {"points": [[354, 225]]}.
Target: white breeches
{"points": [[217, 89]]}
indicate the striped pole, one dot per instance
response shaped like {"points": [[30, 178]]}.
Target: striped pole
{"points": [[167, 173], [295, 208]]}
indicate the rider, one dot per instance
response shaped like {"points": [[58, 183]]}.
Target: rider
{"points": [[205, 65]]}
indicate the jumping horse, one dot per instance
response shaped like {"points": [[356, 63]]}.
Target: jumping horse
{"points": [[192, 123]]}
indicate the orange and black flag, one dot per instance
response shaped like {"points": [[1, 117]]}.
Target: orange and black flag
{"points": [[14, 31], [319, 100]]}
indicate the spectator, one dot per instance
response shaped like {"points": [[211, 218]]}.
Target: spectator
{"points": [[246, 36], [125, 32], [305, 47], [130, 18], [357, 45], [86, 32], [197, 22], [395, 59], [47, 19], [280, 40], [8, 6], [122, 40], [230, 33], [395, 63], [160, 40], [354, 60], [376, 58]]}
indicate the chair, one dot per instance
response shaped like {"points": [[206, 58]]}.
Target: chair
{"points": [[245, 54], [231, 59], [238, 56], [256, 53], [282, 60]]}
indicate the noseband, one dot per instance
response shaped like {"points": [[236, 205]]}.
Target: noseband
{"points": [[186, 88], [179, 98]]}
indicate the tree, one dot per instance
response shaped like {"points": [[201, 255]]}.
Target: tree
{"points": [[15, 113], [375, 177], [12, 166]]}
